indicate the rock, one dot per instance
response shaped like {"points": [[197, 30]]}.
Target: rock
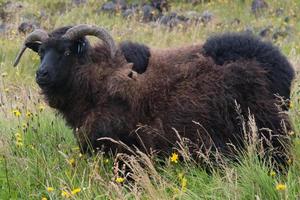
{"points": [[249, 30], [3, 28], [128, 13], [287, 19], [12, 6], [169, 20], [27, 27], [235, 21], [282, 32], [114, 6], [277, 34], [120, 4], [192, 14], [258, 6], [108, 7], [183, 18], [265, 31], [29, 22], [149, 13], [79, 2], [279, 12], [160, 5], [206, 17], [9, 9], [43, 15], [173, 19], [195, 2], [3, 14]]}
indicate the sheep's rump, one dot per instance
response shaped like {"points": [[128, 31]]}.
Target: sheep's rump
{"points": [[233, 46], [214, 98], [212, 110]]}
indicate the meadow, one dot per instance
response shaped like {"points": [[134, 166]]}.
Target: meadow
{"points": [[40, 159]]}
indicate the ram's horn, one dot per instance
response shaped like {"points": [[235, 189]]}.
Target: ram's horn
{"points": [[38, 35], [84, 30]]}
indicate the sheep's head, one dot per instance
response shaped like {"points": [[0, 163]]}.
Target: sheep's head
{"points": [[61, 49]]}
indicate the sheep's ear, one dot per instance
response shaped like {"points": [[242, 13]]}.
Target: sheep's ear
{"points": [[34, 46], [131, 73]]}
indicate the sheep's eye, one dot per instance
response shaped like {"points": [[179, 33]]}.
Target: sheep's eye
{"points": [[67, 53]]}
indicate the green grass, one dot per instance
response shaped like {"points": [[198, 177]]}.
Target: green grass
{"points": [[49, 155]]}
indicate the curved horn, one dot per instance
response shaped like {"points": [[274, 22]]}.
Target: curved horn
{"points": [[84, 29], [39, 35]]}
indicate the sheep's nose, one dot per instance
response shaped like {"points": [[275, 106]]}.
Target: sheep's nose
{"points": [[42, 73]]}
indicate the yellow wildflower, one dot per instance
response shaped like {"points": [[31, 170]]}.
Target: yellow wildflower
{"points": [[18, 135], [280, 187], [106, 161], [120, 180], [4, 74], [75, 191], [119, 38], [29, 114], [24, 125], [65, 194], [44, 198], [41, 107], [174, 158], [71, 161], [19, 144], [180, 175], [291, 133], [19, 140], [183, 183], [50, 189], [272, 173], [16, 112]]}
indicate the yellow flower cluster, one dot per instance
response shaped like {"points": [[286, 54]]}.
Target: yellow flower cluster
{"points": [[183, 181], [120, 180], [41, 108], [72, 162], [272, 173], [19, 140], [29, 114], [75, 191], [174, 158], [280, 187], [50, 189], [16, 112], [65, 193]]}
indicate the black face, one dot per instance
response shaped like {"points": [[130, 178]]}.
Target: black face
{"points": [[57, 58]]}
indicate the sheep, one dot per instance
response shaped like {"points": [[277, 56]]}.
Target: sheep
{"points": [[141, 96]]}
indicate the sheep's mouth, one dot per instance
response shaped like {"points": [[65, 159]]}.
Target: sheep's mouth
{"points": [[43, 83]]}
